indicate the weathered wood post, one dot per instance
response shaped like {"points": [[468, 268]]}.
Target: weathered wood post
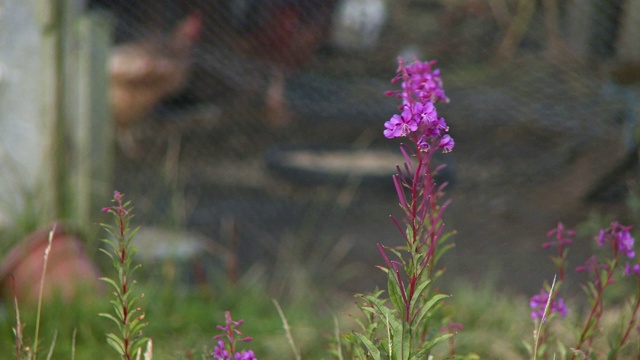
{"points": [[55, 128], [22, 126], [92, 163]]}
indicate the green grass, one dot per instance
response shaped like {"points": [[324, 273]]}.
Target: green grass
{"points": [[183, 317], [181, 322], [495, 324]]}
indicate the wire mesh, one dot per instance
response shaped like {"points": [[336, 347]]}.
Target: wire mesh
{"points": [[532, 95]]}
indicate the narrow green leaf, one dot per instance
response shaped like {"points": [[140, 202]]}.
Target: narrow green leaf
{"points": [[426, 308], [441, 251], [113, 283], [401, 341], [111, 230], [117, 309], [417, 295], [131, 235], [527, 346], [132, 252], [394, 292], [106, 252], [130, 299], [426, 348], [109, 316], [397, 253], [137, 344], [371, 348], [359, 322], [116, 343], [377, 305], [137, 328]]}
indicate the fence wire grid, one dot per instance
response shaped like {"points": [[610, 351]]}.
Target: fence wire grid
{"points": [[254, 86]]}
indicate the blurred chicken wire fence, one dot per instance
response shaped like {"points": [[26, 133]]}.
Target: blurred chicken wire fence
{"points": [[269, 112]]}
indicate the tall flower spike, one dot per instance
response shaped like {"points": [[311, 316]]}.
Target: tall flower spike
{"points": [[224, 351], [411, 268], [562, 237]]}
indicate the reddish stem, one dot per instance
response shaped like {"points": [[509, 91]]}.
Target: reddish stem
{"points": [[596, 310], [631, 323]]}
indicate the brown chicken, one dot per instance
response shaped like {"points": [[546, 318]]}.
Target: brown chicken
{"points": [[144, 73]]}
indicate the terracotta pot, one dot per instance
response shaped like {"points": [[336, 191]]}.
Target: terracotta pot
{"points": [[69, 268]]}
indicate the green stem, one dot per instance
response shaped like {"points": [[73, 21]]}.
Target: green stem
{"points": [[630, 325]]}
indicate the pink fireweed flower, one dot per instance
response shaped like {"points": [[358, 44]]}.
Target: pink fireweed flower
{"points": [[446, 143], [421, 89], [631, 270], [230, 328], [562, 235], [436, 128], [220, 351], [400, 125], [423, 144], [224, 351], [602, 238], [420, 81], [625, 243], [245, 355], [451, 328], [563, 238], [592, 265], [425, 113], [440, 126], [619, 237], [119, 208], [539, 302]]}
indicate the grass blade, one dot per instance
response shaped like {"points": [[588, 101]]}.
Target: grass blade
{"points": [[287, 330], [53, 345], [41, 291]]}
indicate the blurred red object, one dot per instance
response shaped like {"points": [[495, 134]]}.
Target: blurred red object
{"points": [[145, 72], [266, 41], [70, 269], [285, 33]]}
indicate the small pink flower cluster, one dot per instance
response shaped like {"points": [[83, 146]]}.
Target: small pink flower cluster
{"points": [[602, 274], [418, 119], [619, 237], [538, 303], [223, 351]]}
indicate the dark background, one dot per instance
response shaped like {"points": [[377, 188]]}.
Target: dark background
{"points": [[543, 126]]}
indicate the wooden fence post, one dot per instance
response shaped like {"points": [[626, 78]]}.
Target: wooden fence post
{"points": [[93, 136], [55, 125]]}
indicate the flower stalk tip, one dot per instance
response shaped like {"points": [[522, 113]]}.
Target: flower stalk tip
{"points": [[226, 350]]}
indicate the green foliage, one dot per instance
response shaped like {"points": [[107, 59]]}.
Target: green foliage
{"points": [[71, 321], [183, 323], [127, 317]]}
